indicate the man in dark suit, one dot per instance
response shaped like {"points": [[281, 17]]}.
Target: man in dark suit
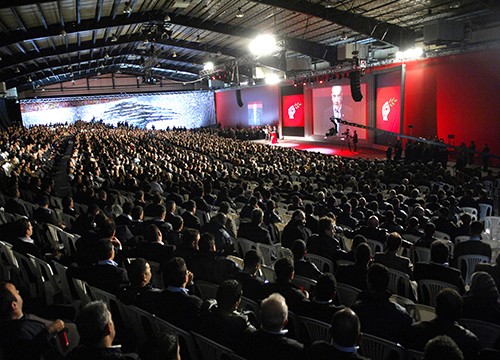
{"points": [[324, 243], [126, 217], [153, 248], [105, 274], [338, 110], [175, 304], [390, 257], [24, 243], [295, 229], [345, 332], [448, 310], [322, 307], [270, 342], [14, 204], [474, 246], [45, 215], [254, 230], [492, 269], [356, 274], [438, 268], [159, 220], [252, 285], [190, 219]]}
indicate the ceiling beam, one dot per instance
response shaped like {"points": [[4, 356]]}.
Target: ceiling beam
{"points": [[72, 27], [8, 4], [383, 31], [101, 43]]}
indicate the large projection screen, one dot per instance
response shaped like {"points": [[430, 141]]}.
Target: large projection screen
{"points": [[161, 111], [336, 100], [388, 105]]}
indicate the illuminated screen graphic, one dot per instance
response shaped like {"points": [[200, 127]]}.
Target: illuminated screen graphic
{"points": [[255, 112], [336, 101], [189, 109], [388, 107], [293, 110]]}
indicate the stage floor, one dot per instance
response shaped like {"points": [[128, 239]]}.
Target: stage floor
{"points": [[328, 148]]}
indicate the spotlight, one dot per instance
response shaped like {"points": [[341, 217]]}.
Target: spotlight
{"points": [[295, 84], [240, 13], [63, 33], [17, 70], [167, 18], [321, 80], [304, 82], [127, 9], [174, 55], [30, 79], [114, 38]]}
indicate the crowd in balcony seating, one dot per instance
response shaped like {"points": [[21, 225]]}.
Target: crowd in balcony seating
{"points": [[180, 203]]}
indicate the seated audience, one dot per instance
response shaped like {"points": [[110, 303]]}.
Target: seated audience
{"points": [[323, 243], [492, 269], [442, 348], [249, 277], [390, 257], [356, 274], [303, 267], [474, 246], [254, 230], [295, 229], [153, 248], [428, 238], [482, 301]]}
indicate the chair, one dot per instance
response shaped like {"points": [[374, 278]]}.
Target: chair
{"points": [[492, 227], [376, 348], [304, 282], [421, 312], [487, 333], [140, 322], [428, 290], [375, 246], [245, 245], [401, 300], [54, 237], [156, 275], [324, 264], [461, 238], [186, 341], [9, 268], [411, 238], [247, 304], [62, 281], [424, 189], [442, 235], [485, 210], [27, 273], [206, 289], [47, 281], [268, 273], [420, 254], [83, 291], [472, 211], [347, 294], [237, 260], [317, 330], [467, 264], [269, 253], [399, 283], [209, 349]]}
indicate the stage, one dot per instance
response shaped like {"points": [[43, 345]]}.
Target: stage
{"points": [[328, 147]]}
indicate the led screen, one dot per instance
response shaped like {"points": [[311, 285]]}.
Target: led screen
{"points": [[336, 101], [189, 109]]}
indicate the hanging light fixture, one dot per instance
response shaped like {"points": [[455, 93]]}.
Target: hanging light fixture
{"points": [[127, 9], [114, 38], [240, 13], [174, 55]]}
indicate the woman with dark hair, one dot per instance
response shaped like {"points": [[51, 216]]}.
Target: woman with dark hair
{"points": [[481, 302]]}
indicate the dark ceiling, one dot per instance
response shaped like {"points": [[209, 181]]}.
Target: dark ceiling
{"points": [[46, 41]]}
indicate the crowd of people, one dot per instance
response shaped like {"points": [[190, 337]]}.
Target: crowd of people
{"points": [[181, 199]]}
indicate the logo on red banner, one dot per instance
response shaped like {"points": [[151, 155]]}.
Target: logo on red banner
{"points": [[293, 110]]}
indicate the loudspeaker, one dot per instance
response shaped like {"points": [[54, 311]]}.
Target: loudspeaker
{"points": [[355, 78], [238, 98]]}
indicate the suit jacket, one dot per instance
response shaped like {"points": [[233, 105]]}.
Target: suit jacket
{"points": [[321, 350], [179, 309], [24, 248], [294, 230], [191, 221], [156, 252], [47, 216], [492, 269], [472, 247], [423, 331], [255, 233], [252, 286], [292, 294], [213, 268], [109, 278], [354, 275], [263, 345], [123, 220], [396, 262], [14, 206], [439, 272], [322, 311]]}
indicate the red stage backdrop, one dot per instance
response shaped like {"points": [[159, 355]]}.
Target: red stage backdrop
{"points": [[387, 106], [293, 110]]}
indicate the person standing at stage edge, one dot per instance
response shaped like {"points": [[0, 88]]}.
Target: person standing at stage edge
{"points": [[355, 141]]}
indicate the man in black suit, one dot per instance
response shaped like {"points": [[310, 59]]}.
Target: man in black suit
{"points": [[175, 304], [153, 248], [190, 219], [45, 215], [14, 205], [345, 332], [254, 230], [338, 110], [126, 217], [295, 229], [24, 243], [251, 283], [474, 246], [105, 274], [448, 310], [270, 342], [324, 243], [438, 268], [390, 257], [379, 315], [356, 274], [159, 220], [322, 307], [372, 230]]}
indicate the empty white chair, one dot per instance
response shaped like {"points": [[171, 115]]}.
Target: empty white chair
{"points": [[420, 254], [461, 238], [375, 246], [467, 264], [471, 211], [492, 227], [442, 235], [347, 294], [485, 210]]}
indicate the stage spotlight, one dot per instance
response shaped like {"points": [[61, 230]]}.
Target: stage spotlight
{"points": [[295, 84], [304, 82]]}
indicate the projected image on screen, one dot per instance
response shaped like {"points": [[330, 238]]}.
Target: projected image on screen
{"points": [[189, 109], [255, 111], [335, 101], [388, 106]]}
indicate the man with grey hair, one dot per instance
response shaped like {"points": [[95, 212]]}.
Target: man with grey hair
{"points": [[270, 342], [97, 332]]}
